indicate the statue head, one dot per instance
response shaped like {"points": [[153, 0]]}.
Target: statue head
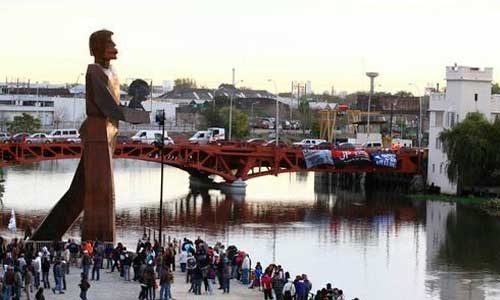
{"points": [[102, 47]]}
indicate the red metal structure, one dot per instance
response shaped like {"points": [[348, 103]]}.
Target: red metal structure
{"points": [[230, 161]]}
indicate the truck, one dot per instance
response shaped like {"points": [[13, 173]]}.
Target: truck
{"points": [[210, 135]]}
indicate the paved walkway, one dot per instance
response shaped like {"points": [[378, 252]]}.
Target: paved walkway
{"points": [[111, 286]]}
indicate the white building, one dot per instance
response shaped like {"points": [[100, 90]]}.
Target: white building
{"points": [[62, 112], [468, 90]]}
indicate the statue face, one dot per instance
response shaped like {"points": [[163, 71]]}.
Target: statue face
{"points": [[110, 50]]}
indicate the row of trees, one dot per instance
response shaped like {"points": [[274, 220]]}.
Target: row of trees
{"points": [[24, 123], [217, 115], [473, 152]]}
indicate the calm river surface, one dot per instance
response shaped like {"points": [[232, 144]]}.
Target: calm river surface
{"points": [[372, 244]]}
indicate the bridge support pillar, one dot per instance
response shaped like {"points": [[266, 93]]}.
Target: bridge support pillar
{"points": [[237, 187]]}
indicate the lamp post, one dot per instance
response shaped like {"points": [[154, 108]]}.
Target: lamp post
{"points": [[74, 99], [160, 118], [231, 109], [277, 125], [372, 76], [419, 124]]}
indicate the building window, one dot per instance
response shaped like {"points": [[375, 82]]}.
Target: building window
{"points": [[438, 144], [441, 168], [433, 168], [450, 119], [438, 120], [475, 97]]}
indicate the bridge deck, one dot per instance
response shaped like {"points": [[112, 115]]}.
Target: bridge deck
{"points": [[230, 161]]}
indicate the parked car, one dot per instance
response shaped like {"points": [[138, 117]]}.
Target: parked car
{"points": [[309, 143], [63, 135], [19, 137], [273, 143], [323, 146], [4, 137], [74, 140], [256, 141], [168, 141], [38, 138], [147, 136], [123, 139], [372, 145], [346, 147]]}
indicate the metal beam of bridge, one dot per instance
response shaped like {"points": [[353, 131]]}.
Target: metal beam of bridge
{"points": [[229, 161]]}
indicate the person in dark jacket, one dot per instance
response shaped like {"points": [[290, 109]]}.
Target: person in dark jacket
{"points": [[96, 268], [84, 286], [45, 272], [58, 273], [278, 284], [39, 294]]}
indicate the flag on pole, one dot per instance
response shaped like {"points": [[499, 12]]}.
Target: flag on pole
{"points": [[12, 222]]}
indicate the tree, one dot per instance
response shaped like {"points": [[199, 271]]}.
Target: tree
{"points": [[495, 88], [472, 147], [185, 83], [404, 94], [219, 117], [25, 123], [240, 128], [305, 113]]}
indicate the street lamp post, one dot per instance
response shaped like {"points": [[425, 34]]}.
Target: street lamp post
{"points": [[277, 126], [372, 76], [231, 110], [160, 118], [74, 99], [419, 123]]}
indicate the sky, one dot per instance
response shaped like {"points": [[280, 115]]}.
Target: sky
{"points": [[329, 42]]}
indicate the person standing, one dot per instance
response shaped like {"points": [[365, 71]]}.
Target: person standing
{"points": [[18, 284], [37, 269], [183, 260], [166, 279], [267, 286], [28, 282], [289, 290], [278, 283], [86, 261], [9, 279], [126, 266], [57, 270], [226, 277], [45, 272], [84, 286], [96, 268], [245, 270]]}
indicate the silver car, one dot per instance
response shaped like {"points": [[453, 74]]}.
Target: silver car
{"points": [[4, 137], [38, 138]]}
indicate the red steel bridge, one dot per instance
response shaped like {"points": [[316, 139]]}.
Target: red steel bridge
{"points": [[229, 161]]}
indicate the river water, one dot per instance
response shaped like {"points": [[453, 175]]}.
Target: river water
{"points": [[373, 244]]}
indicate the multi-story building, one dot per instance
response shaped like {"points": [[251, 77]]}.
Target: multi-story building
{"points": [[468, 90]]}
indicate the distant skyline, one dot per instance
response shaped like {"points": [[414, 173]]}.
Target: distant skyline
{"points": [[329, 42]]}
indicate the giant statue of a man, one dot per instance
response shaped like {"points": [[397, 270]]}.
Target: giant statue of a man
{"points": [[92, 189]]}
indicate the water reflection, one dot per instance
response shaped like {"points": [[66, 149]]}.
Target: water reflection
{"points": [[370, 241]]}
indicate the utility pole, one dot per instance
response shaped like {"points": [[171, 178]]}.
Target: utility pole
{"points": [[231, 107], [372, 76], [160, 118]]}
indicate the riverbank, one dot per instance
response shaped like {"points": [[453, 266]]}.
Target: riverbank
{"points": [[489, 205]]}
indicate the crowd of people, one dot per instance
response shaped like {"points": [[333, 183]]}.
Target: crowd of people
{"points": [[206, 269]]}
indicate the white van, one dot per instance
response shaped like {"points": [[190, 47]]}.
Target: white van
{"points": [[309, 143], [200, 137], [149, 137], [62, 135], [216, 134]]}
